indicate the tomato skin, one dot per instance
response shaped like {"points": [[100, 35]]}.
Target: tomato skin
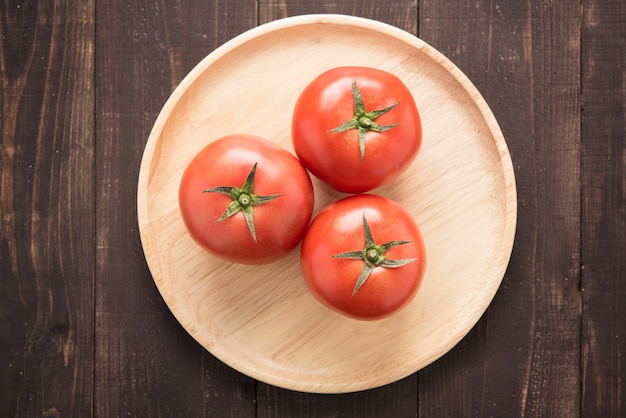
{"points": [[334, 157], [280, 223], [339, 228]]}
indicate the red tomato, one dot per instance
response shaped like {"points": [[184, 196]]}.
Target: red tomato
{"points": [[363, 256], [246, 199], [356, 128]]}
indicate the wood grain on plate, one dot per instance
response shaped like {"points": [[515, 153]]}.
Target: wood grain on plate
{"points": [[262, 320]]}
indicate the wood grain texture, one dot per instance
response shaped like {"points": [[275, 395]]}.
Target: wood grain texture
{"points": [[400, 399], [603, 167], [262, 320], [146, 365], [78, 97], [400, 13], [521, 358], [46, 208]]}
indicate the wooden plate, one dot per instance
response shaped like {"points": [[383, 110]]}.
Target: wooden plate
{"points": [[262, 321]]}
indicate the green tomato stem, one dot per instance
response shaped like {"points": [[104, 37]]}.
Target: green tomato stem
{"points": [[243, 200], [363, 120], [373, 256]]}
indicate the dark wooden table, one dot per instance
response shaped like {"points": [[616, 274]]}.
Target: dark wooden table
{"points": [[83, 329]]}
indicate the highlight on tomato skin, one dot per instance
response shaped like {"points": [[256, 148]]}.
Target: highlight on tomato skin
{"points": [[356, 128], [245, 199], [364, 257]]}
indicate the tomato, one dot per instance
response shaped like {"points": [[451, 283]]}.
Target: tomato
{"points": [[356, 128], [246, 199], [363, 256]]}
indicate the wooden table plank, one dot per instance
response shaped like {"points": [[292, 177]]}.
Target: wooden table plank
{"points": [[145, 363], [46, 208], [603, 167], [521, 359], [83, 330], [399, 13], [395, 400]]}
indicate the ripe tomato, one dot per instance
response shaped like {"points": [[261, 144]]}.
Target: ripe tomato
{"points": [[363, 256], [356, 128], [246, 199]]}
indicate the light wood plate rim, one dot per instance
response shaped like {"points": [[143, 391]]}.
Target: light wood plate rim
{"points": [[294, 373]]}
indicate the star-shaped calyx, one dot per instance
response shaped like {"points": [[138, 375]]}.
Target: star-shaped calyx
{"points": [[364, 121], [243, 200], [373, 255]]}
